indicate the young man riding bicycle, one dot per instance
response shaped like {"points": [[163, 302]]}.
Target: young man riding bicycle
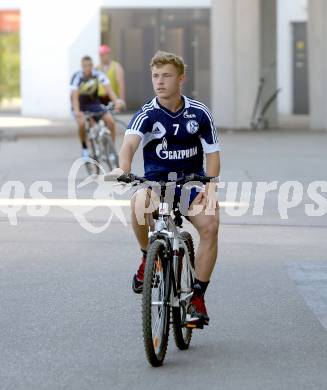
{"points": [[175, 132], [84, 97]]}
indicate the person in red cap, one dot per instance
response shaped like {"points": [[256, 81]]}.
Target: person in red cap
{"points": [[115, 73]]}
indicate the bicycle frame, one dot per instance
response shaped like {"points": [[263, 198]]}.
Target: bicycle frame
{"points": [[167, 231], [168, 273], [99, 137], [110, 107], [96, 133]]}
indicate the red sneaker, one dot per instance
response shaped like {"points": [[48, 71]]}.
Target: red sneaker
{"points": [[197, 311], [137, 284]]}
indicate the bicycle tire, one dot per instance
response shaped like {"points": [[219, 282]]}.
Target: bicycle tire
{"points": [[120, 124], [155, 348], [182, 335], [91, 168], [111, 157]]}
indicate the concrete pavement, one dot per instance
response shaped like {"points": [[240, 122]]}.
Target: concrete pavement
{"points": [[69, 320]]}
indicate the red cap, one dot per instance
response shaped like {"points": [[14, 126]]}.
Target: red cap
{"points": [[104, 49]]}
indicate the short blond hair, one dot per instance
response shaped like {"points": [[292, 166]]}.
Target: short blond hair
{"points": [[163, 58]]}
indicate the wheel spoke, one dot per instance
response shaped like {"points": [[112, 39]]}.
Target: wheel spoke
{"points": [[158, 309], [155, 311], [185, 268]]}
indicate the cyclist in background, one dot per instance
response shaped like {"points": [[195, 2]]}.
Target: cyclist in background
{"points": [[115, 73], [175, 132], [84, 97]]}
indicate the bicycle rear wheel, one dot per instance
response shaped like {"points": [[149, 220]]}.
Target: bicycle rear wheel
{"points": [[155, 304], [91, 166], [121, 126], [110, 155], [184, 282]]}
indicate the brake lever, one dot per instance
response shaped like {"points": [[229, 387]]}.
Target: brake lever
{"points": [[109, 177], [126, 178]]}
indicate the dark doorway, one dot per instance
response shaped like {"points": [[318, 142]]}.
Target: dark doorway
{"points": [[135, 35], [300, 69]]}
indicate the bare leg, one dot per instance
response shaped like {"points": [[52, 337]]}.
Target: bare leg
{"points": [[110, 123], [142, 206], [81, 128], [207, 226]]}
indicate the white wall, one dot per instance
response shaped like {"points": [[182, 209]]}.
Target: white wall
{"points": [[10, 4], [53, 39], [288, 11], [54, 36]]}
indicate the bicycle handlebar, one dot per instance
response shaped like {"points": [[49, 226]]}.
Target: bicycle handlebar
{"points": [[95, 115], [110, 107], [129, 178]]}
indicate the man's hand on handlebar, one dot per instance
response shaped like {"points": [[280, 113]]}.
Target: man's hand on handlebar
{"points": [[119, 105], [78, 114], [116, 172]]}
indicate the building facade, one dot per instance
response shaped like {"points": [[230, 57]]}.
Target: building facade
{"points": [[229, 46], [292, 20]]}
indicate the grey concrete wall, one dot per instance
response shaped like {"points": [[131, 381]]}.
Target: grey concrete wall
{"points": [[247, 58], [268, 44], [317, 29], [223, 62], [243, 44]]}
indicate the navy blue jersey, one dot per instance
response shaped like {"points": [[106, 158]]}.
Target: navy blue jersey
{"points": [[88, 87], [174, 142]]}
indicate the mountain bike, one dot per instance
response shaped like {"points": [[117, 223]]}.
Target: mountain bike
{"points": [[99, 142], [169, 274]]}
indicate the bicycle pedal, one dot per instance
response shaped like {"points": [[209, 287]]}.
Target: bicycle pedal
{"points": [[194, 325]]}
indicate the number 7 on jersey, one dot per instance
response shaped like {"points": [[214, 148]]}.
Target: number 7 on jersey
{"points": [[176, 128]]}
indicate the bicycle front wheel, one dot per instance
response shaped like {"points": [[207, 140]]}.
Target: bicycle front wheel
{"points": [[155, 304]]}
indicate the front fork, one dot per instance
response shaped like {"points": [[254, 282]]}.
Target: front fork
{"points": [[175, 292], [102, 147], [93, 136], [175, 297]]}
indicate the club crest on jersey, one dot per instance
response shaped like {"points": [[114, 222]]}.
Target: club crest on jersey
{"points": [[187, 115], [192, 126], [163, 152]]}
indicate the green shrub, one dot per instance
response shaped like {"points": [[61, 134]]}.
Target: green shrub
{"points": [[9, 65]]}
